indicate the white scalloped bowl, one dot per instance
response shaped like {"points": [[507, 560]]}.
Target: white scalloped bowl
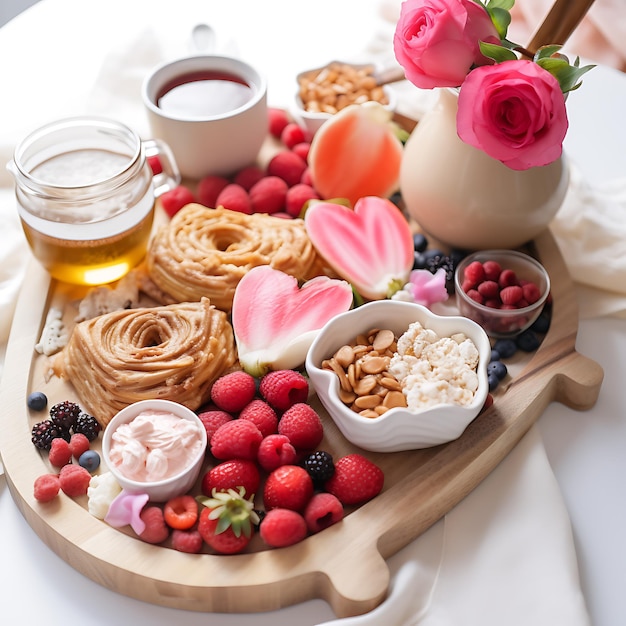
{"points": [[158, 490], [399, 428]]}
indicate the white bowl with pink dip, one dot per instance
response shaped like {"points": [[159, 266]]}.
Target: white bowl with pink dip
{"points": [[155, 447]]}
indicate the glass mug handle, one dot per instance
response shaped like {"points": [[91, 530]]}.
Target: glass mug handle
{"points": [[169, 176]]}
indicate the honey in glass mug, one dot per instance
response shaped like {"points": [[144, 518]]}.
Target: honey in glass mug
{"points": [[85, 196]]}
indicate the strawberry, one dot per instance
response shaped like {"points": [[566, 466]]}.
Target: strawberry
{"points": [[226, 524], [282, 527], [356, 479], [156, 530], [232, 474], [288, 487], [233, 391], [262, 414], [237, 439], [274, 451], [322, 511], [302, 425], [284, 388]]}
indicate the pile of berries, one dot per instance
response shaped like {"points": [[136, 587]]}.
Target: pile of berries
{"points": [[263, 439], [282, 188], [67, 438]]}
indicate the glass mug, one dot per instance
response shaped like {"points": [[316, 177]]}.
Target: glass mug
{"points": [[85, 196]]}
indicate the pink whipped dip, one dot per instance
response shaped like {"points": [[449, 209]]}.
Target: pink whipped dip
{"points": [[154, 446]]}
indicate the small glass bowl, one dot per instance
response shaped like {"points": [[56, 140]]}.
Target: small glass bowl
{"points": [[503, 323]]}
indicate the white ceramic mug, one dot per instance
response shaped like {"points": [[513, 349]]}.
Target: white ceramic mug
{"points": [[211, 110]]}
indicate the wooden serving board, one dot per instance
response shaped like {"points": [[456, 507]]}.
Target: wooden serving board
{"points": [[344, 564]]}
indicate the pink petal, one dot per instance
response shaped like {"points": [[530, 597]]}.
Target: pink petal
{"points": [[428, 288], [275, 321], [125, 510], [370, 246]]}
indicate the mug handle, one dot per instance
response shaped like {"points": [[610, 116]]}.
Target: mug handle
{"points": [[169, 177]]}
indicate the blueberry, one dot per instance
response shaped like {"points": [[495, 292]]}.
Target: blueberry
{"points": [[90, 460], [419, 261], [495, 355], [420, 243], [493, 381], [497, 368], [528, 341], [542, 323], [505, 347], [37, 401]]}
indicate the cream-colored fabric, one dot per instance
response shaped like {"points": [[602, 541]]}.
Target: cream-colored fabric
{"points": [[504, 555]]}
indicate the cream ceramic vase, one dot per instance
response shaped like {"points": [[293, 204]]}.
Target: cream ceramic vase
{"points": [[463, 198]]}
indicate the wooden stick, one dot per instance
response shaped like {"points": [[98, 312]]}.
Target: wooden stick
{"points": [[560, 23]]}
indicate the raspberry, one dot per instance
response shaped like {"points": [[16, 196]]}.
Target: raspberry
{"points": [[282, 527], [531, 293], [288, 166], [320, 466], [277, 119], [233, 391], [46, 487], [235, 198], [155, 164], [262, 414], [78, 444], [489, 289], [511, 295], [475, 295], [189, 541], [156, 530], [307, 178], [274, 451], [238, 439], [212, 420], [492, 270], [74, 480], [293, 134], [284, 388], [232, 474], [288, 487], [174, 200], [474, 274], [302, 150], [181, 512], [507, 278], [302, 425], [60, 453], [249, 176], [297, 197], [209, 189], [356, 479], [322, 511], [268, 195]]}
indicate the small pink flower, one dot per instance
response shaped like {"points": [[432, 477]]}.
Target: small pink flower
{"points": [[125, 509], [275, 321], [427, 288], [371, 246], [437, 41], [515, 112]]}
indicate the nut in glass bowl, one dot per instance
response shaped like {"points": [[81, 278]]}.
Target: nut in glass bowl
{"points": [[398, 428], [501, 313], [326, 90], [156, 447]]}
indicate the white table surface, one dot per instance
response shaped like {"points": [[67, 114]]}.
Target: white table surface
{"points": [[44, 49]]}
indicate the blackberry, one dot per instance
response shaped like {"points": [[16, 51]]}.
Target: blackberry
{"points": [[64, 414], [435, 260], [44, 432], [319, 466], [88, 425]]}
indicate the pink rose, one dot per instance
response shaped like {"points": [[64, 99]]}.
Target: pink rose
{"points": [[515, 112], [437, 41]]}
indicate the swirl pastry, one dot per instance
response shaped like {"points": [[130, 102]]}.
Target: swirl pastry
{"points": [[206, 252], [172, 352]]}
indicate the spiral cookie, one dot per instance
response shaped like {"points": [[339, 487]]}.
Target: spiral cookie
{"points": [[172, 352], [206, 252]]}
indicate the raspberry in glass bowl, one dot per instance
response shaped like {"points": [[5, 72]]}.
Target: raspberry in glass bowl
{"points": [[504, 291]]}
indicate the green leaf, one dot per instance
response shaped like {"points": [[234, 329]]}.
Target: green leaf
{"points": [[507, 5], [497, 53], [501, 19], [567, 75], [545, 52]]}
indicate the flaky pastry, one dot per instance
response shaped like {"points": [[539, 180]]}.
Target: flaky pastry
{"points": [[206, 252], [172, 352]]}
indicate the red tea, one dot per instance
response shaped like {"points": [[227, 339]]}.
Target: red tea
{"points": [[204, 94]]}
